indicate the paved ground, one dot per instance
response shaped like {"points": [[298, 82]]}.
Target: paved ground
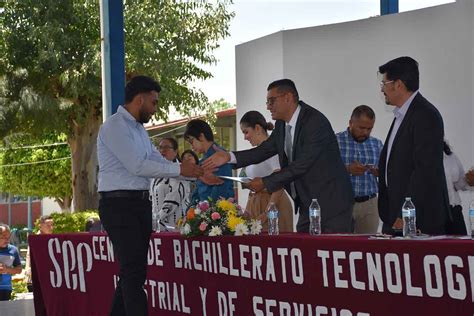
{"points": [[21, 307]]}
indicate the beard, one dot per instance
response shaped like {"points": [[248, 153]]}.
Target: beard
{"points": [[143, 117], [359, 139]]}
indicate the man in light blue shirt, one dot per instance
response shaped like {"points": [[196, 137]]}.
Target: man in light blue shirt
{"points": [[127, 161]]}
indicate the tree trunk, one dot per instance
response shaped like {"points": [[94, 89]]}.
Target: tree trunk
{"points": [[84, 164], [64, 203]]}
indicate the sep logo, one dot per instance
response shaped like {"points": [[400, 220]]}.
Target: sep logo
{"points": [[75, 262]]}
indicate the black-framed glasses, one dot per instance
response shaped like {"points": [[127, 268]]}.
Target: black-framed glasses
{"points": [[272, 100]]}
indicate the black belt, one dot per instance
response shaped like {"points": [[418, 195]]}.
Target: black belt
{"points": [[360, 199], [130, 194]]}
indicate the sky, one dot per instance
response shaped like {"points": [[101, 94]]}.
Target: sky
{"points": [[257, 18]]}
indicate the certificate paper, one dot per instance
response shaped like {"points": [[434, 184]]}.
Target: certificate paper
{"points": [[237, 179], [7, 260]]}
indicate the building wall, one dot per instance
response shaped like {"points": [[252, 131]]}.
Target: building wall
{"points": [[19, 212], [335, 68], [256, 62], [50, 206]]}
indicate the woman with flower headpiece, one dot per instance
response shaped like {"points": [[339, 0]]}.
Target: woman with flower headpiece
{"points": [[255, 130], [199, 134]]}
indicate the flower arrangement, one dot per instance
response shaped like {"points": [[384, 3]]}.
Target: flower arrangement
{"points": [[224, 217]]}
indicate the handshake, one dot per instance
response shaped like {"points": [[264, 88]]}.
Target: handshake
{"points": [[205, 173]]}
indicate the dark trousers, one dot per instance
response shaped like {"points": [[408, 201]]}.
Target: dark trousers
{"points": [[128, 224], [5, 295], [457, 226]]}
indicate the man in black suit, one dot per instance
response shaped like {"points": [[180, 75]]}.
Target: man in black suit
{"points": [[411, 162], [313, 168]]}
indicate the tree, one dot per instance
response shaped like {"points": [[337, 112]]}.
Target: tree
{"points": [[221, 104], [42, 169], [50, 68]]}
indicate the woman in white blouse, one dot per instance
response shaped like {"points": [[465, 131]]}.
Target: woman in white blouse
{"points": [[456, 180], [254, 127], [169, 196]]}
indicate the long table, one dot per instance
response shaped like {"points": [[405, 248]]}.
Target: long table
{"points": [[289, 274]]}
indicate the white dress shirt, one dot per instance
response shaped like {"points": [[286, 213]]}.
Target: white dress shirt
{"points": [[399, 116], [127, 157], [292, 123]]}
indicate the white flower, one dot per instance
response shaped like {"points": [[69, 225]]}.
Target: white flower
{"points": [[241, 229], [215, 231], [186, 229], [255, 227], [197, 211]]}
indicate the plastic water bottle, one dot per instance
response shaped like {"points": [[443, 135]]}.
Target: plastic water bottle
{"points": [[409, 218], [471, 217], [155, 221], [314, 218], [273, 215]]}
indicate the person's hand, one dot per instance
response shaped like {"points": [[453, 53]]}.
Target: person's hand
{"points": [[219, 158], [245, 186], [211, 179], [470, 177], [356, 168], [256, 185], [189, 169], [373, 170]]}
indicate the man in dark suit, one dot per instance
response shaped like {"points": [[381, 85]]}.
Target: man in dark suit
{"points": [[311, 168], [411, 162]]}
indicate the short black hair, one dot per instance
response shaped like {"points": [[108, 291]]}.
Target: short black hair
{"points": [[363, 110], [195, 127], [284, 86], [140, 84], [404, 69], [192, 153]]}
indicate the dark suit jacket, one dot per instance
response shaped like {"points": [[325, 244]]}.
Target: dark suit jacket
{"points": [[317, 169], [415, 169]]}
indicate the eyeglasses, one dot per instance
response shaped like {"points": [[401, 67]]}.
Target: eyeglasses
{"points": [[5, 237], [165, 147], [383, 83], [272, 100]]}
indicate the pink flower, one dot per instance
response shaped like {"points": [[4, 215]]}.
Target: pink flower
{"points": [[203, 206], [231, 200], [215, 216], [203, 226]]}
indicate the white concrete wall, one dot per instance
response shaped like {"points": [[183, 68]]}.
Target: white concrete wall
{"points": [[49, 206], [335, 68], [262, 59]]}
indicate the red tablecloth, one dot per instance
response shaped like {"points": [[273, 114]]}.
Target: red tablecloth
{"points": [[290, 274]]}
